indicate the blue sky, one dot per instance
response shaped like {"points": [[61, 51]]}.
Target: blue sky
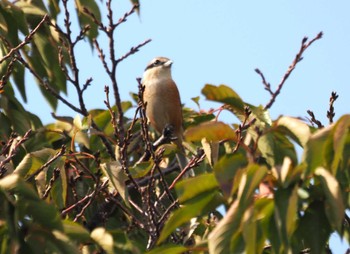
{"points": [[222, 42]]}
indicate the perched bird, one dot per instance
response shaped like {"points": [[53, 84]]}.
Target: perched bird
{"points": [[163, 101]]}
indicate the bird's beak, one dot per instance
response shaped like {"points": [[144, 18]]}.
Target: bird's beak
{"points": [[168, 63]]}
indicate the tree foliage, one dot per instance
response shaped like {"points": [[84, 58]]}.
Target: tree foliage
{"points": [[98, 183]]}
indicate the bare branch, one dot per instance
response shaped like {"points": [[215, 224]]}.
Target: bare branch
{"points": [[297, 59], [133, 50], [267, 85]]}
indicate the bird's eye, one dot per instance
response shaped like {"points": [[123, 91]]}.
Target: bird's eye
{"points": [[157, 62]]}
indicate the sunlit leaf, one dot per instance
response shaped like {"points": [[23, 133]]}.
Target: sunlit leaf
{"points": [[315, 150], [75, 231], [104, 239], [212, 131], [29, 8], [341, 135], [113, 170], [196, 100], [224, 94], [102, 118], [192, 187], [168, 249], [211, 150], [298, 130], [141, 169], [33, 161]]}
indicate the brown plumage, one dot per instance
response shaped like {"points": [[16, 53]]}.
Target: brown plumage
{"points": [[162, 97], [163, 101]]}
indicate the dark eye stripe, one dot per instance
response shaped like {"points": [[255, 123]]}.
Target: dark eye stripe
{"points": [[157, 62]]}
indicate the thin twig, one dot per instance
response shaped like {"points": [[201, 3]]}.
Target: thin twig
{"points": [[266, 84], [133, 50], [330, 112], [13, 151], [91, 198], [56, 174], [297, 59], [314, 120], [48, 163], [191, 164]]}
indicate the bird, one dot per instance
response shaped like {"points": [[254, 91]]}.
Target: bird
{"points": [[163, 103]]}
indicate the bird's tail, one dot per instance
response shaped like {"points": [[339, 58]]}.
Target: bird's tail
{"points": [[182, 160]]}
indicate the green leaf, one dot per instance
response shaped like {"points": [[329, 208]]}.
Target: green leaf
{"points": [[102, 118], [54, 8], [227, 170], [85, 19], [196, 206], [75, 231], [334, 201], [227, 236], [315, 150], [29, 205], [34, 160], [9, 25], [192, 187], [196, 100], [219, 241], [40, 240], [262, 116], [14, 183], [19, 18], [286, 206], [298, 130], [141, 169], [42, 213], [192, 118], [225, 95], [168, 249], [59, 189], [341, 134], [18, 77], [113, 170], [275, 147], [286, 174], [104, 239], [211, 150], [250, 181], [30, 8], [212, 131], [313, 229]]}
